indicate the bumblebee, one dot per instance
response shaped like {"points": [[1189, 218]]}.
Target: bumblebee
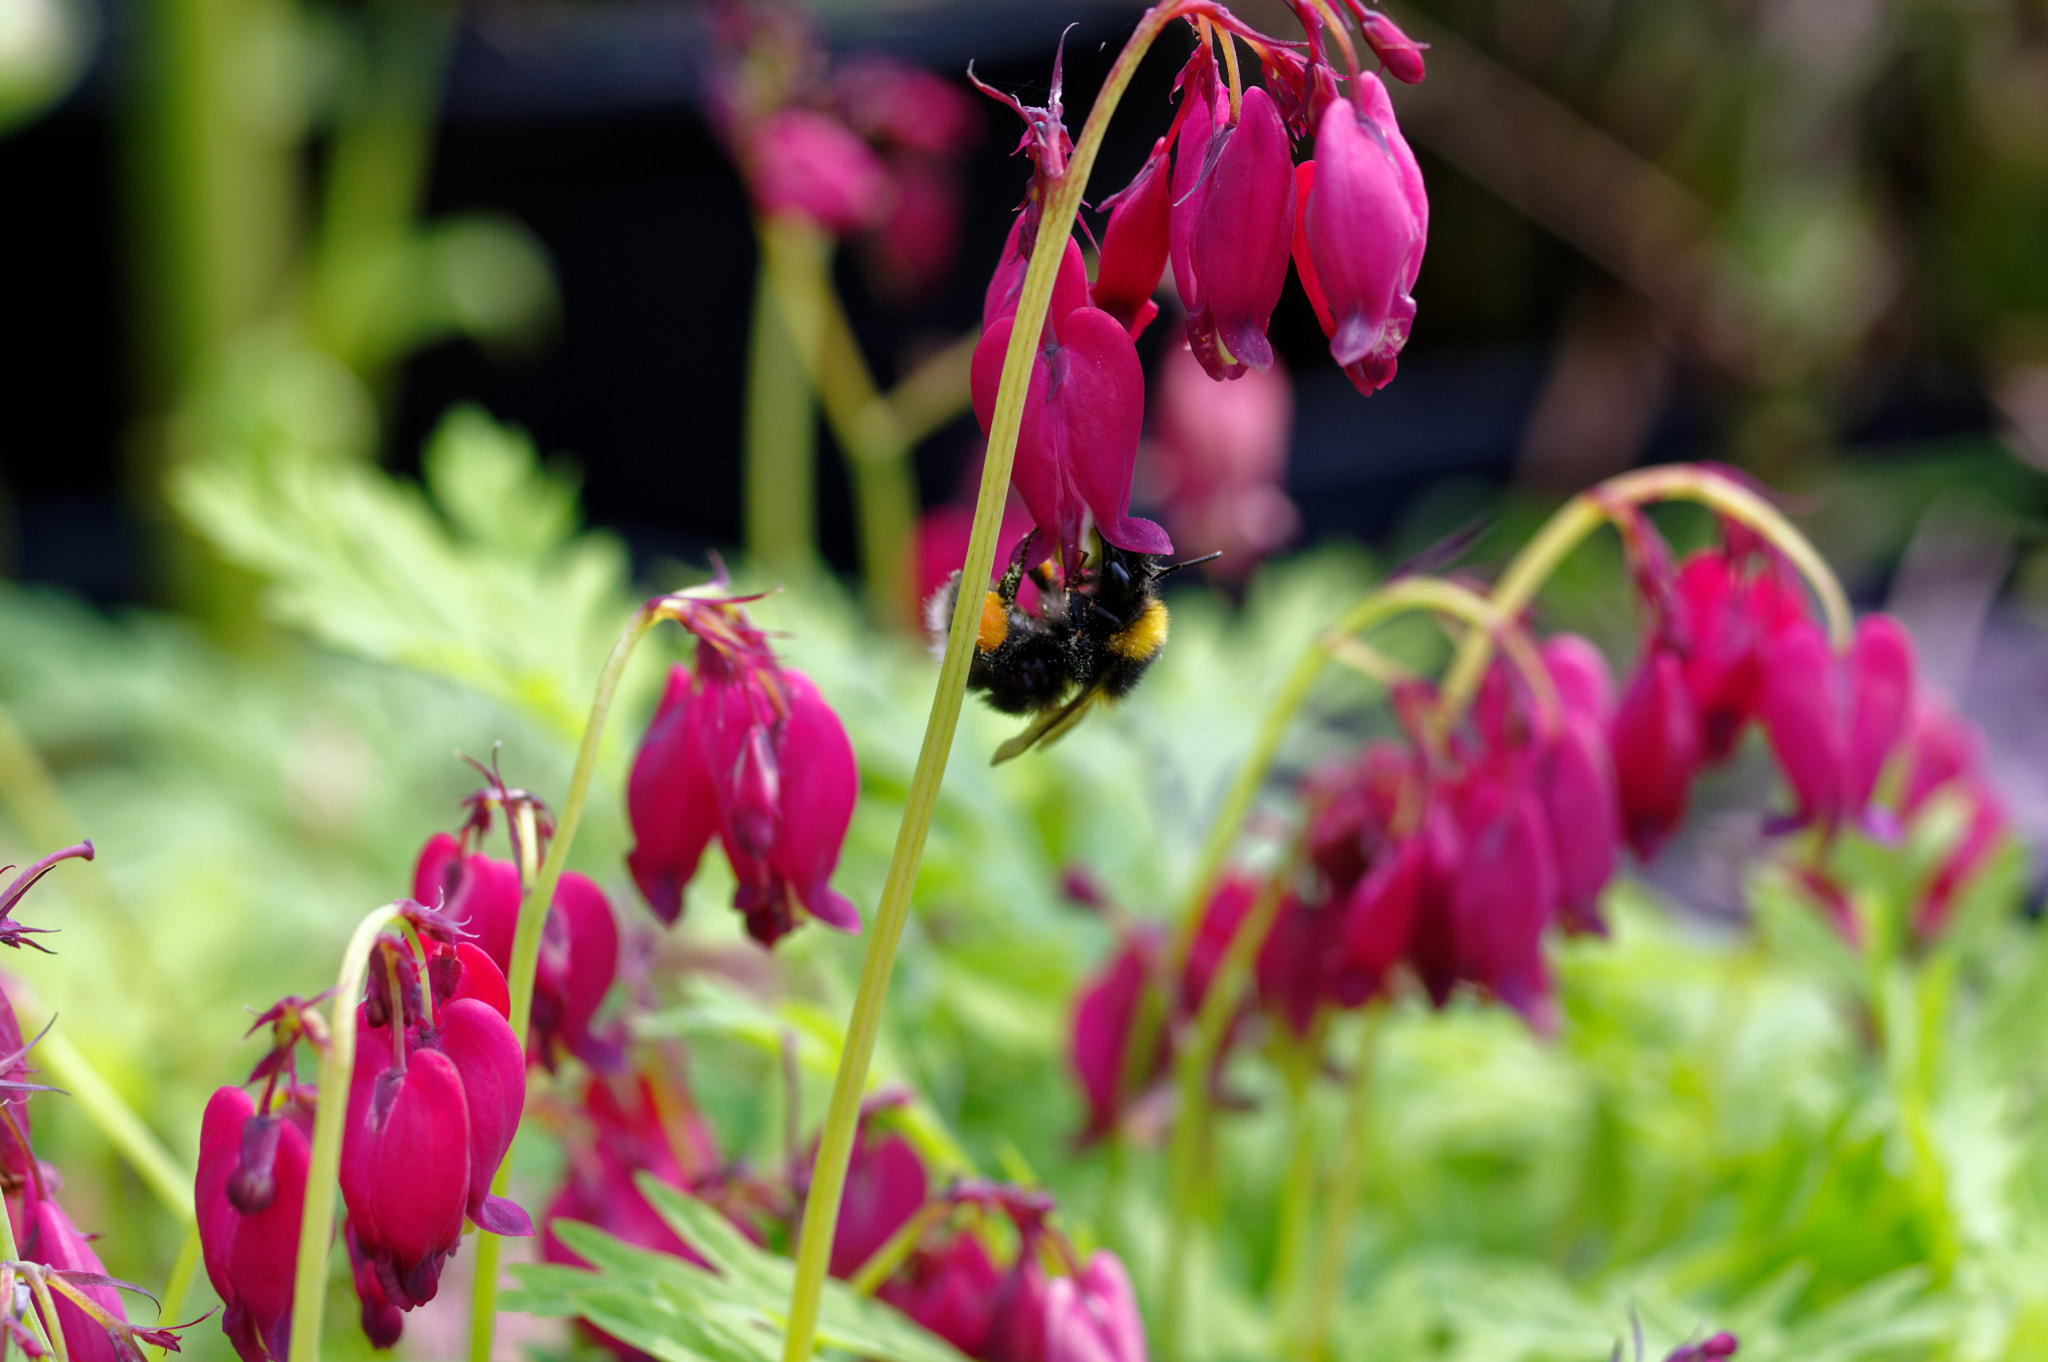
{"points": [[1089, 642]]}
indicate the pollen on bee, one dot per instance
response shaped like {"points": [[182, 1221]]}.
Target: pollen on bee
{"points": [[995, 623], [1144, 640]]}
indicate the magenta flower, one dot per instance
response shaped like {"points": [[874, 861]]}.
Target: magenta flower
{"points": [[951, 1290], [1362, 225], [1218, 459], [1503, 893], [492, 1069], [1104, 1012], [1083, 414], [383, 1323], [1655, 738], [1399, 53], [1833, 722], [1093, 1315], [1713, 1349], [405, 1167], [1231, 226], [579, 954], [749, 751], [1728, 622], [250, 1242], [58, 1244], [808, 163], [1134, 245], [885, 1186]]}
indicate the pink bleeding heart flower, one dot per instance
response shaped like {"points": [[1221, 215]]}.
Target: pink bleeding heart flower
{"points": [[19, 1171], [1093, 1315], [1711, 1349], [1582, 810], [1655, 739], [951, 1290], [1006, 284], [1832, 722], [905, 106], [405, 1166], [1231, 227], [1083, 414], [579, 955], [1504, 893], [1218, 459], [886, 1184], [807, 163], [1134, 245], [579, 958], [383, 1323], [492, 1069], [670, 802], [1399, 53], [820, 784], [1105, 1010], [250, 1241], [1381, 914], [1293, 969], [1728, 621], [778, 789], [1361, 228], [59, 1245]]}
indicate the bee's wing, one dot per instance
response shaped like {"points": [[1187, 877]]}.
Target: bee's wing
{"points": [[1049, 727]]}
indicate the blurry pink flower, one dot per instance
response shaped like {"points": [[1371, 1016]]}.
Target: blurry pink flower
{"points": [[912, 250], [1093, 1315], [1230, 227], [885, 1186], [1104, 1012], [1361, 228], [807, 163], [1727, 621], [907, 107], [1655, 738], [1832, 722], [951, 1290], [1218, 459]]}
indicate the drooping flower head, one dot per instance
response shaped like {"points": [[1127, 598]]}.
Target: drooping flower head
{"points": [[748, 751]]}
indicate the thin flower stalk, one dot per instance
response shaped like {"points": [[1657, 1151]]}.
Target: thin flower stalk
{"points": [[835, 1145], [323, 1173], [538, 878], [1342, 1202], [1589, 510], [781, 435], [1187, 1152]]}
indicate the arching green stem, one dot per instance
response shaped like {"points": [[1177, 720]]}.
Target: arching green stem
{"points": [[835, 1144], [323, 1171], [538, 882], [1342, 1206], [1591, 509]]}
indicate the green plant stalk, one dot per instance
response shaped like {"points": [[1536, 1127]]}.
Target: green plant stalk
{"points": [[1298, 1184], [539, 883], [323, 1169], [1589, 510], [835, 1144], [170, 1184], [180, 1281], [1187, 1155], [1342, 1205], [39, 1286], [870, 435], [782, 437]]}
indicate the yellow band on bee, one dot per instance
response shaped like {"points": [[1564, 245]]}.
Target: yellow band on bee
{"points": [[1146, 636], [995, 623]]}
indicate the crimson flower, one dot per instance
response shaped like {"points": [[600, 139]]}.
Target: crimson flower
{"points": [[1093, 1315], [251, 1189], [1231, 224], [1359, 236]]}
